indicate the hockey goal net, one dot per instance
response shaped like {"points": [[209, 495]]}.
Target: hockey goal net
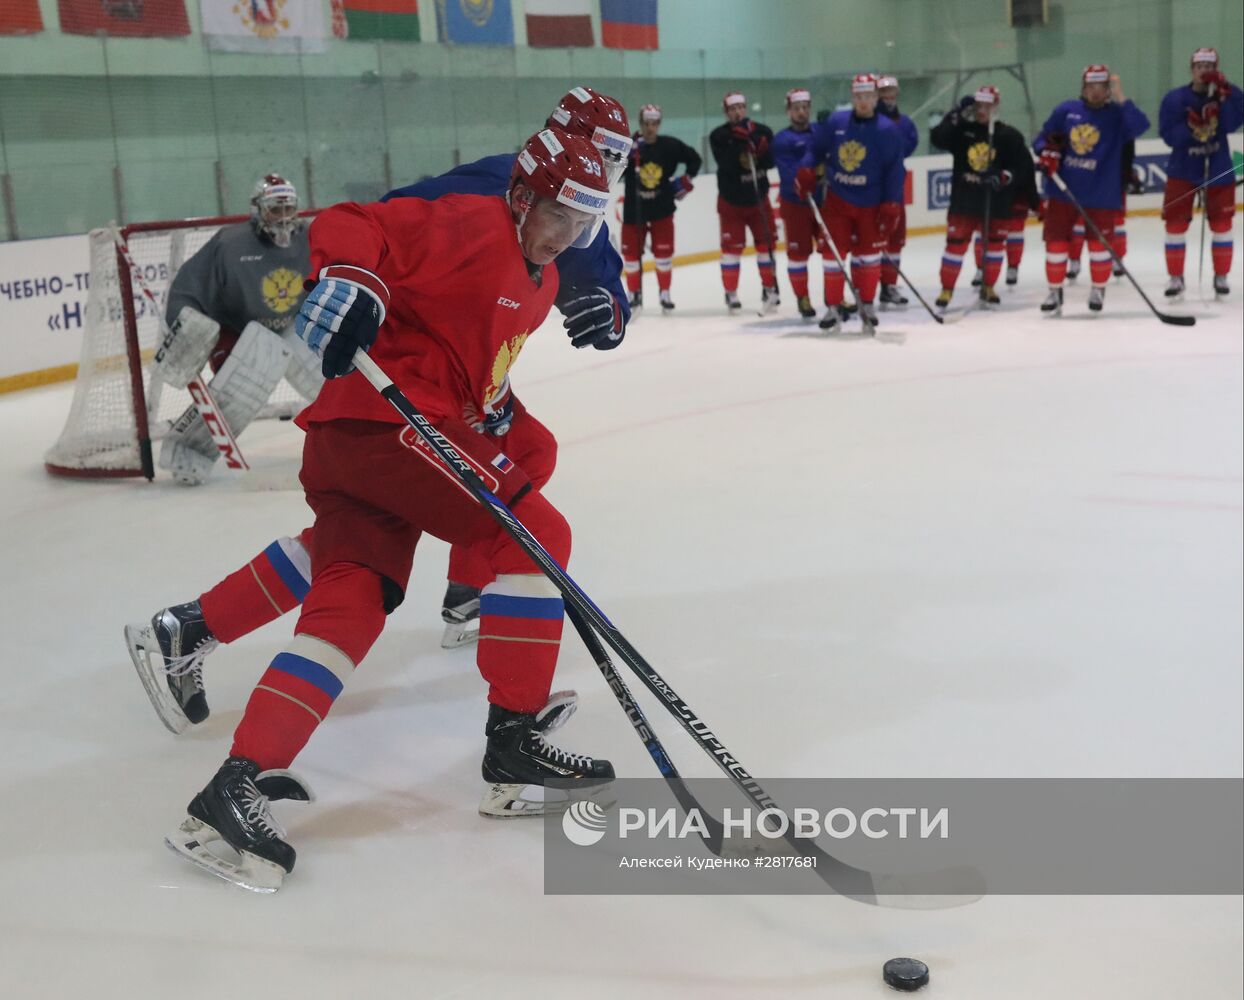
{"points": [[119, 404]]}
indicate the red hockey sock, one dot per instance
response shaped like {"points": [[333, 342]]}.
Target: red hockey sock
{"points": [[1119, 243], [978, 249], [274, 582], [952, 263], [835, 282], [768, 272], [664, 273], [1056, 263], [1100, 263], [866, 273], [797, 273], [1221, 249], [341, 618], [1176, 248], [890, 263], [993, 262], [634, 276], [1077, 242], [730, 271], [520, 630], [1014, 248]]}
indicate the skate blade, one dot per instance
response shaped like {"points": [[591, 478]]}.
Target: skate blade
{"points": [[518, 801], [455, 636], [193, 840], [149, 664]]}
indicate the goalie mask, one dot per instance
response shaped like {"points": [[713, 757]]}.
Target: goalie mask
{"points": [[274, 208]]}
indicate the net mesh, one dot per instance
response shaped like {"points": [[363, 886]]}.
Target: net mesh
{"points": [[101, 435]]}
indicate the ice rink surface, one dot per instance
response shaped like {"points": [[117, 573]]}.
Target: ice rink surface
{"points": [[1009, 547]]}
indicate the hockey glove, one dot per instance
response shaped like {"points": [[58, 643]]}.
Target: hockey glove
{"points": [[998, 179], [681, 186], [1051, 158], [1219, 82], [499, 411], [889, 213], [967, 108], [805, 182], [743, 131], [341, 314], [593, 318]]}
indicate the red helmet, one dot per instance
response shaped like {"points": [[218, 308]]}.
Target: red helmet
{"points": [[1097, 73], [988, 94], [797, 94], [1205, 55], [863, 83], [600, 119], [732, 98], [566, 168], [650, 113]]}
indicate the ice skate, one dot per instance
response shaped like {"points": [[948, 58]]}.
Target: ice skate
{"points": [[942, 303], [667, 303], [868, 315], [1117, 271], [978, 278], [1175, 289], [732, 302], [892, 298], [805, 307], [1073, 270], [1221, 288], [769, 300], [229, 829], [1053, 304], [831, 322], [168, 655], [1012, 276], [1097, 298], [460, 613], [636, 301], [989, 298], [519, 763]]}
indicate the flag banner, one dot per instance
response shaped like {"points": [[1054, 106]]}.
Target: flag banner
{"points": [[559, 24], [265, 27], [628, 24], [377, 20], [20, 17], [475, 22], [124, 18]]}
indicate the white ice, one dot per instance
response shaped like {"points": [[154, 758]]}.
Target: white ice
{"points": [[1008, 547]]}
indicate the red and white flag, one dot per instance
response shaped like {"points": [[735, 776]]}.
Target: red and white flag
{"points": [[263, 26], [559, 24], [124, 18]]}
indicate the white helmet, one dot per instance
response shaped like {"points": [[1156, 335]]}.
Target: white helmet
{"points": [[274, 208]]}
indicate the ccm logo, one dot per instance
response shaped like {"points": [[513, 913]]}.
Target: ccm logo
{"points": [[508, 303]]}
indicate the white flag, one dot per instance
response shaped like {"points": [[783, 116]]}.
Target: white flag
{"points": [[264, 26]]}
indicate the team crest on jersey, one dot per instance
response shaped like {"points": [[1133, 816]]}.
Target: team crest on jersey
{"points": [[1206, 130], [650, 175], [281, 289], [1083, 138], [503, 362], [979, 156], [851, 154]]}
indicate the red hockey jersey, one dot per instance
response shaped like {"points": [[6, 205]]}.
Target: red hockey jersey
{"points": [[462, 301]]}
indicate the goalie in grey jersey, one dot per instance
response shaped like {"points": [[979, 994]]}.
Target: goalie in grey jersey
{"points": [[232, 305]]}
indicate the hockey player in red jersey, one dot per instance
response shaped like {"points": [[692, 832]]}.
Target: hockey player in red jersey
{"points": [[446, 317]]}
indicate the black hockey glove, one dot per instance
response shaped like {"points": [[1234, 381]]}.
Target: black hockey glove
{"points": [[341, 314], [593, 318], [967, 108], [998, 179]]}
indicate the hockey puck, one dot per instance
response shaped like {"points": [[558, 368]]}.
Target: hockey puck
{"points": [[905, 974]]}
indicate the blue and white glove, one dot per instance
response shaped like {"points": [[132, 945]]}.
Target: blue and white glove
{"points": [[342, 314], [593, 318]]}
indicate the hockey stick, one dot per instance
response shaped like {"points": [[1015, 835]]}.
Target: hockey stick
{"points": [[762, 206], [213, 419], [964, 884], [829, 240], [988, 212], [920, 298], [1200, 266], [1201, 187], [1118, 263]]}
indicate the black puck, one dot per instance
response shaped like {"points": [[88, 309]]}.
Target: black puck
{"points": [[905, 974]]}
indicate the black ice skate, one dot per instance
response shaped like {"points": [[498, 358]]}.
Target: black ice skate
{"points": [[667, 302], [233, 811], [868, 315], [168, 655], [519, 763], [732, 302], [637, 301], [805, 307], [892, 298], [831, 322], [1012, 276], [1097, 298], [460, 613], [978, 278], [1221, 288], [769, 300], [1175, 289], [1053, 304], [1073, 270]]}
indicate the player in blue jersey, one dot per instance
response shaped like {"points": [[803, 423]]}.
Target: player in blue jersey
{"points": [[861, 155], [790, 146], [1195, 121], [891, 254], [1082, 141]]}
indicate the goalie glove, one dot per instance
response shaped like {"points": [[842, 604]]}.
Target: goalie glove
{"points": [[186, 348], [341, 314]]}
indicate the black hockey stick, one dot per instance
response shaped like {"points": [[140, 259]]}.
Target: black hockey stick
{"points": [[920, 298], [1118, 263], [764, 209], [984, 296], [929, 890]]}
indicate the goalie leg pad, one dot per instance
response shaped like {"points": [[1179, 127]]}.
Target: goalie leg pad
{"points": [[305, 369], [240, 388], [187, 345]]}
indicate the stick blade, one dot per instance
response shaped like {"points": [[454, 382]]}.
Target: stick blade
{"points": [[1177, 320], [939, 890]]}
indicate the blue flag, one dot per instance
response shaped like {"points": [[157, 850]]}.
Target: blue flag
{"points": [[475, 22]]}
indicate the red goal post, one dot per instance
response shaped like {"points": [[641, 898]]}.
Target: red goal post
{"points": [[119, 406]]}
